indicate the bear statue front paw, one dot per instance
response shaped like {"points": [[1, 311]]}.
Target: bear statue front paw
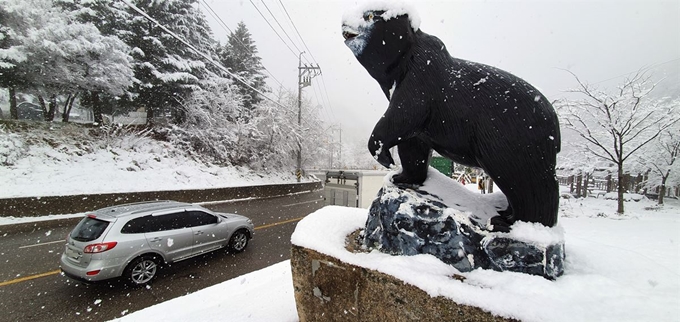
{"points": [[385, 159]]}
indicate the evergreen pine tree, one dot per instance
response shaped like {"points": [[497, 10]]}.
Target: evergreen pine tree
{"points": [[239, 55], [166, 68]]}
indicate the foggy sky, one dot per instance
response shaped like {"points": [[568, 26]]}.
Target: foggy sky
{"points": [[600, 41]]}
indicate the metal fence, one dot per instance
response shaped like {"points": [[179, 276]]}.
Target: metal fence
{"points": [[583, 185]]}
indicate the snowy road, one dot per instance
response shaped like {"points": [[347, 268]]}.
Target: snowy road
{"points": [[24, 296]]}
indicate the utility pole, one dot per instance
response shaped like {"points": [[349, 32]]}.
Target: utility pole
{"points": [[340, 147], [332, 129], [305, 75]]}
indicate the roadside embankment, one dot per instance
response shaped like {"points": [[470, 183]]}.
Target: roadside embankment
{"points": [[42, 206]]}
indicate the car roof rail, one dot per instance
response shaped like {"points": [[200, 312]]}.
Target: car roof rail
{"points": [[138, 207], [160, 206]]}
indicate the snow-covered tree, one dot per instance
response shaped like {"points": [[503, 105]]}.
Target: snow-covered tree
{"points": [[216, 130], [311, 135], [661, 158], [11, 54], [111, 19], [211, 128], [354, 155], [167, 69], [615, 126], [65, 56], [239, 55]]}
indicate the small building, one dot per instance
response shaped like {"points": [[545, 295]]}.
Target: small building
{"points": [[352, 188]]}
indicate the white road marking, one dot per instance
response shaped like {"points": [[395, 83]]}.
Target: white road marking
{"points": [[302, 203], [41, 244]]}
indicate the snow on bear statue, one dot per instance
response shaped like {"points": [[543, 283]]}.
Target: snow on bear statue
{"points": [[473, 114]]}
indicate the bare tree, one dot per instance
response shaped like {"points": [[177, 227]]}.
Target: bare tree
{"points": [[660, 158], [615, 126]]}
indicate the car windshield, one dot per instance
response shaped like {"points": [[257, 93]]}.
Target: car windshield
{"points": [[89, 229]]}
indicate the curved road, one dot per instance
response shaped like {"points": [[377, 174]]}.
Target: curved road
{"points": [[31, 289]]}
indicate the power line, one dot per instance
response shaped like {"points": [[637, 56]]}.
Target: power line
{"points": [[320, 101], [645, 68], [272, 27], [284, 30], [224, 25], [327, 97], [208, 58], [625, 74], [310, 53], [298, 33]]}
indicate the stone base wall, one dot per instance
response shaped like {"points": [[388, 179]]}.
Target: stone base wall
{"points": [[327, 289]]}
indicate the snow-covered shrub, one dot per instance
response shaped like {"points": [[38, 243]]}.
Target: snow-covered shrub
{"points": [[218, 128], [12, 147], [120, 136]]}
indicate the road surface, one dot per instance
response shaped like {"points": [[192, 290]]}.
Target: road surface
{"points": [[32, 289]]}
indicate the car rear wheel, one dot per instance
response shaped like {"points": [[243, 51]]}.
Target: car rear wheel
{"points": [[142, 270], [238, 241]]}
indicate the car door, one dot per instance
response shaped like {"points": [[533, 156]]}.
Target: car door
{"points": [[209, 233], [170, 233]]}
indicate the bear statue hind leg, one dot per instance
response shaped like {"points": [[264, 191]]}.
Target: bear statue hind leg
{"points": [[531, 199], [414, 155]]}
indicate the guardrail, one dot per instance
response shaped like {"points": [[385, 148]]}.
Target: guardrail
{"points": [[41, 206]]}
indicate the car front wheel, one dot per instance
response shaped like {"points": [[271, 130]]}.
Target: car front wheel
{"points": [[142, 270], [238, 241]]}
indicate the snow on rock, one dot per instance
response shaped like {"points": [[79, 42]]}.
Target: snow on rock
{"points": [[480, 207]]}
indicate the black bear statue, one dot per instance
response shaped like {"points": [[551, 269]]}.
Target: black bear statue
{"points": [[474, 114]]}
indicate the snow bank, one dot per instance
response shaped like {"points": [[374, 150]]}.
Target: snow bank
{"points": [[264, 295]]}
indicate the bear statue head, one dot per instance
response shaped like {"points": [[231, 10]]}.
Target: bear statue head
{"points": [[379, 39]]}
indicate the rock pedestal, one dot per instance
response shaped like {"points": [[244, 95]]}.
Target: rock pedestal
{"points": [[405, 221]]}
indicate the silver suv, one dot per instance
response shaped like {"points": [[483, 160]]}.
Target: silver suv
{"points": [[133, 240]]}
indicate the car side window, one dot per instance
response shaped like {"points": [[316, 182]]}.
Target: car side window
{"points": [[137, 225], [200, 218], [170, 221]]}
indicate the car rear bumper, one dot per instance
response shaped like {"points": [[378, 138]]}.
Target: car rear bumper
{"points": [[107, 270]]}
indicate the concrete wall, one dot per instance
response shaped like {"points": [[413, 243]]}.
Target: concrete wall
{"points": [[41, 206], [327, 289]]}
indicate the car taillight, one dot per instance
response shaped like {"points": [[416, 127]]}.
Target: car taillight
{"points": [[98, 248]]}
